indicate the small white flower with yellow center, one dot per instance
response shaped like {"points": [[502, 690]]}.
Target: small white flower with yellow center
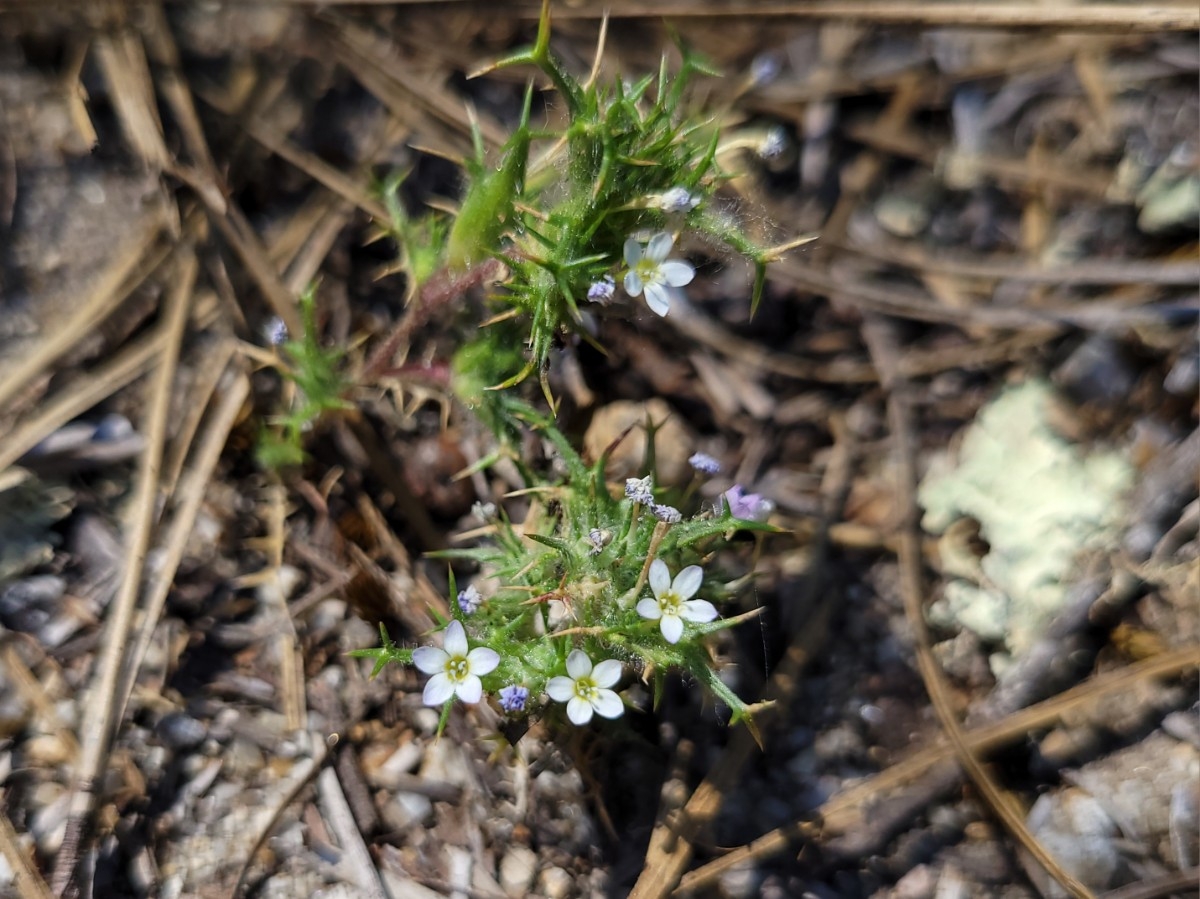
{"points": [[585, 690], [651, 271], [672, 603], [455, 670]]}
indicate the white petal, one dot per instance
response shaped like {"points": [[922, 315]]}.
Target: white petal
{"points": [[455, 641], [633, 283], [579, 711], [687, 582], [578, 664], [658, 299], [607, 673], [470, 690], [649, 608], [660, 577], [430, 659], [659, 246], [677, 273], [438, 690], [608, 704], [671, 627], [633, 252], [560, 689], [699, 610], [482, 660]]}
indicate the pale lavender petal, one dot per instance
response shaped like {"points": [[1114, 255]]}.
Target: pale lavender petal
{"points": [[658, 299], [579, 711], [633, 283], [578, 664], [649, 608], [608, 704], [659, 246], [671, 627], [430, 659], [677, 273], [560, 689], [606, 673], [455, 641], [483, 660], [470, 690], [660, 577], [687, 582], [633, 252], [699, 610], [438, 690]]}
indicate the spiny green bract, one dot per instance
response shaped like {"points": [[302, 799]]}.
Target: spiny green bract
{"points": [[321, 387]]}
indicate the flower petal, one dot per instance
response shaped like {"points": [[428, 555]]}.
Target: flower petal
{"points": [[578, 664], [677, 273], [659, 246], [438, 690], [633, 283], [482, 660], [687, 582], [699, 610], [633, 252], [608, 704], [658, 299], [606, 673], [470, 690], [649, 608], [560, 689], [455, 642], [660, 577], [671, 627], [430, 659], [579, 711]]}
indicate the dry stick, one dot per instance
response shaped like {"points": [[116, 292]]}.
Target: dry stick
{"points": [[99, 719], [336, 811], [135, 260], [291, 659], [235, 228], [1120, 18], [122, 59], [1163, 885], [905, 303], [844, 811], [671, 843], [880, 343], [188, 496], [27, 879], [81, 394]]}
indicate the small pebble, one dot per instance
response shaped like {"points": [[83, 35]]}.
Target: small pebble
{"points": [[740, 882], [179, 731], [517, 870], [554, 883]]}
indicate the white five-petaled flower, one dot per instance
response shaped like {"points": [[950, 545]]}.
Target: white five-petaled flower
{"points": [[652, 272], [672, 603], [585, 689], [455, 670]]}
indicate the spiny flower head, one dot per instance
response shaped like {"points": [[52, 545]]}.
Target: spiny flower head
{"points": [[513, 698], [652, 272], [672, 603], [705, 463], [640, 490]]}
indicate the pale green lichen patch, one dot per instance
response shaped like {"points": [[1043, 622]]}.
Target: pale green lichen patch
{"points": [[1041, 502]]}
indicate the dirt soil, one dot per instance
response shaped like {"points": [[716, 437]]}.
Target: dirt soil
{"points": [[972, 400]]}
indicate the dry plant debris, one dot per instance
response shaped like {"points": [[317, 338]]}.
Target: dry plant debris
{"points": [[1006, 197]]}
